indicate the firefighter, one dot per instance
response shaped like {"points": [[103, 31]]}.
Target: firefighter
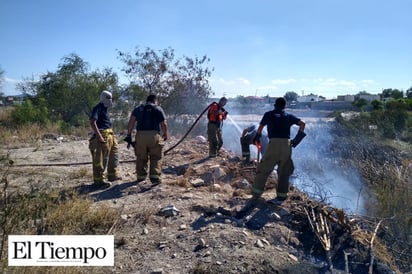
{"points": [[216, 114], [103, 144], [151, 123], [279, 151], [247, 139]]}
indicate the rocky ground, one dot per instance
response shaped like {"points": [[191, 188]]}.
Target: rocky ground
{"points": [[191, 223]]}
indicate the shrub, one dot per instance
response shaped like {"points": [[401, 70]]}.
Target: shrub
{"points": [[26, 113]]}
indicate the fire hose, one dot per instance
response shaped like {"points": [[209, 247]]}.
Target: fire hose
{"points": [[62, 164], [190, 129]]}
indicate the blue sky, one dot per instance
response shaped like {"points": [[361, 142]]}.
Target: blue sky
{"points": [[260, 47]]}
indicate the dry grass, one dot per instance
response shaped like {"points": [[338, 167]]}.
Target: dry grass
{"points": [[15, 136], [182, 182], [49, 213], [5, 113], [80, 173], [145, 213], [78, 216]]}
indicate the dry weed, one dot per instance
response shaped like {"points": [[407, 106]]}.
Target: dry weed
{"points": [[182, 182], [145, 214], [80, 173], [78, 216]]}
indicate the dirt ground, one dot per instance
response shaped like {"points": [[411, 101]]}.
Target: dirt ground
{"points": [[190, 223]]}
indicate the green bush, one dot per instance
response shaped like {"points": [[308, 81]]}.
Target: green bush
{"points": [[27, 113]]}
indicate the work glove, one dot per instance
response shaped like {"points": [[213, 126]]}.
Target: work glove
{"points": [[224, 113], [256, 140], [298, 138], [128, 140]]}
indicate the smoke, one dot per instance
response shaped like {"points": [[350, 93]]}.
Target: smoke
{"points": [[322, 174], [318, 172]]}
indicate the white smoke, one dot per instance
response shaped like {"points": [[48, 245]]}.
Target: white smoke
{"points": [[323, 176], [317, 172]]}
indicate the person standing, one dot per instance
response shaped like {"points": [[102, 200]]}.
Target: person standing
{"points": [[279, 151], [151, 122], [216, 114], [247, 138], [103, 144]]}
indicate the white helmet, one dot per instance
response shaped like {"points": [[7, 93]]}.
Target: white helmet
{"points": [[106, 98]]}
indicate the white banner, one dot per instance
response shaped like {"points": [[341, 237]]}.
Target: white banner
{"points": [[61, 250]]}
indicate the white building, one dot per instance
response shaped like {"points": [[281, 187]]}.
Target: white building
{"points": [[346, 98], [369, 97], [308, 98]]}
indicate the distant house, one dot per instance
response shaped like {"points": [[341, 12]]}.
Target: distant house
{"points": [[352, 98], [369, 97], [9, 100], [346, 98], [255, 99], [308, 98]]}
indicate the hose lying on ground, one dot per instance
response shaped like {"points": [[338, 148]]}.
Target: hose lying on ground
{"points": [[64, 164]]}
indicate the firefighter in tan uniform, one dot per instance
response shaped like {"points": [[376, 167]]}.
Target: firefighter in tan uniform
{"points": [[216, 114], [151, 123], [279, 151], [103, 144]]}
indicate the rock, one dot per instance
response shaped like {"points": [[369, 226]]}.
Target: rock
{"points": [[208, 178], [125, 217], [244, 184], [169, 211], [265, 241], [186, 196], [157, 271], [218, 172], [201, 139], [217, 187], [197, 182], [162, 245], [259, 243], [276, 216], [202, 242], [293, 257]]}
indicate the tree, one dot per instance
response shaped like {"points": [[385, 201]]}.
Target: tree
{"points": [[27, 113], [181, 84], [396, 111], [1, 84], [377, 104], [392, 93], [409, 92], [291, 96], [71, 92], [360, 103]]}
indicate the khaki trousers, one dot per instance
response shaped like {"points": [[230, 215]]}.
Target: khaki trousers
{"points": [[279, 152], [149, 145], [104, 155]]}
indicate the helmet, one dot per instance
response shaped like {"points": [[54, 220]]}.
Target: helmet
{"points": [[106, 98]]}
